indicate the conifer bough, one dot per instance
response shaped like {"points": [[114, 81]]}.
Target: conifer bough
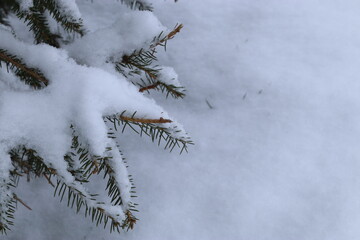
{"points": [[54, 88]]}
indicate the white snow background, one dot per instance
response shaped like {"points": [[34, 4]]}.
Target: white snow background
{"points": [[276, 157]]}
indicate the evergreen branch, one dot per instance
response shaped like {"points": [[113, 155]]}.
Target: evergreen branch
{"points": [[28, 162], [161, 41], [141, 61], [174, 91], [98, 211], [69, 23], [4, 11], [89, 165], [30, 76], [154, 129], [7, 203], [144, 120], [48, 178], [152, 86], [38, 24], [115, 192], [37, 21], [79, 200], [138, 4], [7, 210], [80, 163], [21, 201], [129, 221]]}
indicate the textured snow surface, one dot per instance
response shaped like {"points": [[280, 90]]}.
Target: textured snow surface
{"points": [[273, 107]]}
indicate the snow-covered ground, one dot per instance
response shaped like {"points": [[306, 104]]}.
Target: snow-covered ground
{"points": [[273, 107]]}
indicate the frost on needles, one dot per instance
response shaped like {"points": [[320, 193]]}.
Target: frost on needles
{"points": [[67, 94]]}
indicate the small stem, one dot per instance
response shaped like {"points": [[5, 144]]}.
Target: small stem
{"points": [[149, 87], [21, 201], [169, 36], [145, 120]]}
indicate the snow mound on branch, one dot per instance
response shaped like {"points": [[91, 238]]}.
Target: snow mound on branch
{"points": [[69, 7], [25, 4], [129, 32], [77, 94]]}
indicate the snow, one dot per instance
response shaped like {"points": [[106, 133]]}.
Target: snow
{"points": [[276, 154], [169, 76], [70, 8], [74, 95], [124, 184], [25, 4], [97, 47]]}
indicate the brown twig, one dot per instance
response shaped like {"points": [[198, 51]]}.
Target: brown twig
{"points": [[96, 164], [129, 60], [149, 87], [21, 201], [145, 120], [169, 36], [130, 220]]}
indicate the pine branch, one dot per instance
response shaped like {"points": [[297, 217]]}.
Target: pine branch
{"points": [[153, 128], [169, 89], [99, 212], [7, 203], [89, 165], [30, 76], [27, 161], [115, 191], [68, 22], [138, 5], [7, 210], [4, 11], [142, 58], [174, 91], [141, 61], [80, 162], [38, 24], [149, 87], [96, 210], [21, 201], [36, 20], [161, 41], [144, 120]]}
